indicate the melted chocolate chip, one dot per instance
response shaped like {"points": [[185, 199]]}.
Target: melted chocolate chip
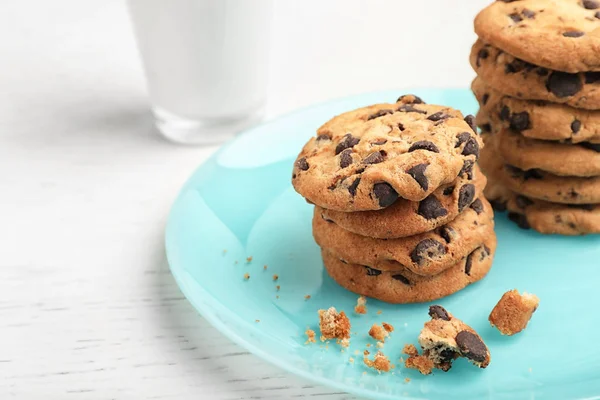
{"points": [[347, 142], [431, 208], [528, 13], [462, 138], [575, 126], [504, 113], [345, 158], [469, 263], [471, 148], [323, 136], [519, 219], [410, 99], [385, 194], [471, 346], [427, 249], [519, 121], [353, 186], [465, 196], [379, 142], [448, 191], [470, 120], [467, 168], [562, 84], [438, 116], [374, 158], [302, 164], [379, 113], [573, 34], [438, 312], [515, 17], [418, 174], [372, 271], [482, 55], [401, 278], [477, 205], [592, 77], [410, 108], [522, 201], [591, 146], [591, 4], [401, 127], [423, 145], [447, 233]]}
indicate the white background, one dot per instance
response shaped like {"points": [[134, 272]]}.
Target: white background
{"points": [[88, 309]]}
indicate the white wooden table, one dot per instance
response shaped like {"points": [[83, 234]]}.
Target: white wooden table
{"points": [[88, 309]]}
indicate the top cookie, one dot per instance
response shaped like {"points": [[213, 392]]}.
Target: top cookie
{"points": [[367, 158], [558, 34]]}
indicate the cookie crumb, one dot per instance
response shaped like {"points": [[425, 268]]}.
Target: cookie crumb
{"points": [[388, 327], [334, 325], [351, 360], [380, 362], [275, 277], [310, 334], [277, 288], [265, 267], [379, 333], [368, 344], [366, 353], [246, 276], [410, 350], [406, 380], [249, 259], [307, 297], [257, 320], [277, 296], [421, 363], [379, 345], [513, 312], [361, 307], [379, 312], [356, 352]]}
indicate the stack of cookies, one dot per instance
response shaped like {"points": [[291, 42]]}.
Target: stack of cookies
{"points": [[399, 209], [538, 86]]}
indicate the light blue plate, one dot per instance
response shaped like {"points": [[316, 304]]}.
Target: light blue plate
{"points": [[240, 203]]}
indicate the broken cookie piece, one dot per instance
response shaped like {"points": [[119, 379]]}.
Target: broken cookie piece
{"points": [[379, 333], [380, 362], [513, 311], [361, 305], [334, 325], [445, 338], [421, 363]]}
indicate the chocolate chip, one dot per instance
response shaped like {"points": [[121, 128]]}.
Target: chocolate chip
{"points": [[504, 113], [586, 207], [323, 137], [302, 164], [438, 116], [591, 146], [592, 77], [515, 66], [562, 84], [410, 108], [448, 191], [401, 278], [427, 248], [353, 186], [486, 128], [418, 174], [528, 13], [465, 196], [423, 145], [519, 219], [515, 17], [485, 98], [469, 263], [471, 346], [374, 158], [410, 99], [471, 148], [470, 120], [372, 271], [462, 137], [590, 4], [482, 55], [431, 208], [345, 158], [385, 194], [347, 142], [477, 205], [467, 169], [401, 127], [542, 71], [575, 126], [498, 205], [519, 121], [438, 312], [573, 34], [447, 233], [379, 142], [379, 113], [486, 252], [522, 201]]}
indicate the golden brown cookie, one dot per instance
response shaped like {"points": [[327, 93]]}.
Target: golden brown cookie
{"points": [[517, 78], [557, 34], [536, 119], [408, 218], [513, 312], [367, 158], [404, 286], [425, 254]]}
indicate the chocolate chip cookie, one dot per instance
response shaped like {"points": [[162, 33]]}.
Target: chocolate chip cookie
{"points": [[404, 286], [556, 34], [408, 218], [520, 79], [543, 216], [561, 159], [368, 158], [539, 184], [426, 254]]}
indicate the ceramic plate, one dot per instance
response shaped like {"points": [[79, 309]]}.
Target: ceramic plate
{"points": [[238, 213]]}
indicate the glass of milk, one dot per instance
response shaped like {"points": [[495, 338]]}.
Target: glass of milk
{"points": [[206, 64]]}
